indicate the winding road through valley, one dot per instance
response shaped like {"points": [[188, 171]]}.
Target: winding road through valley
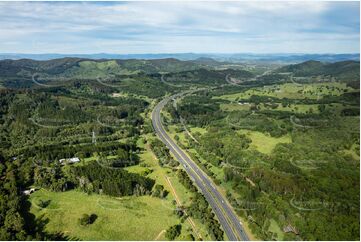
{"points": [[226, 216]]}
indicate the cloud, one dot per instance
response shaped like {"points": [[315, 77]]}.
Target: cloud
{"points": [[154, 27]]}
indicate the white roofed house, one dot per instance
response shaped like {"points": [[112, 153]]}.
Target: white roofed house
{"points": [[74, 160], [28, 192], [69, 160]]}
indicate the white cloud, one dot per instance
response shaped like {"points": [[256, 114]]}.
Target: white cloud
{"points": [[175, 26]]}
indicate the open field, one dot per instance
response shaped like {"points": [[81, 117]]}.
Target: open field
{"points": [[126, 95], [99, 69], [264, 143], [274, 228], [126, 218], [197, 129], [295, 108], [293, 91]]}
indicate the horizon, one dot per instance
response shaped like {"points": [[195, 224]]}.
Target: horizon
{"points": [[222, 57], [131, 28], [180, 53]]}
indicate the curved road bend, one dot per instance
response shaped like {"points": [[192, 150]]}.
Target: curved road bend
{"points": [[227, 218]]}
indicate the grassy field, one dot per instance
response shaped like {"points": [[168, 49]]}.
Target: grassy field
{"points": [[295, 108], [98, 69], [293, 91], [264, 143], [181, 135], [127, 218], [197, 129], [127, 95], [274, 228]]}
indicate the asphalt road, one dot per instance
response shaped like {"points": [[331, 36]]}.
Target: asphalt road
{"points": [[227, 218]]}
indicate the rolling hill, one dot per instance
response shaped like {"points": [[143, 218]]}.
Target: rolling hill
{"points": [[343, 70]]}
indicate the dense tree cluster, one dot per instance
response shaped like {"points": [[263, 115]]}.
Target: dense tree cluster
{"points": [[173, 232], [200, 209], [185, 180], [12, 221], [123, 158], [219, 145], [200, 76], [159, 191], [52, 178], [162, 153], [114, 182], [16, 222], [200, 110], [262, 122], [58, 151]]}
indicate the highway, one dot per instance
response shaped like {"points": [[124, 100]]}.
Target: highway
{"points": [[220, 206]]}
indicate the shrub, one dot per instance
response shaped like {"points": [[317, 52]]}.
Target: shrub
{"points": [[87, 219], [173, 232]]}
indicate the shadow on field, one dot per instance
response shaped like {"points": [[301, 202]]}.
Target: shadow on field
{"points": [[36, 226]]}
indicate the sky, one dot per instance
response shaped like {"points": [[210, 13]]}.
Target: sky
{"points": [[179, 27]]}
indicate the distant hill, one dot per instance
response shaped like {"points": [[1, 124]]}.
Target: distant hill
{"points": [[343, 70], [294, 58], [20, 72], [236, 57], [206, 60], [201, 69], [304, 68], [80, 67], [22, 66]]}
